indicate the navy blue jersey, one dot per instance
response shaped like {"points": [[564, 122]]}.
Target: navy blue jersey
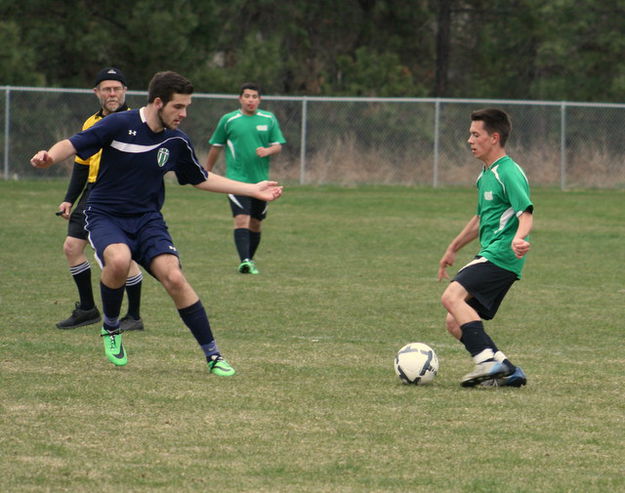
{"points": [[134, 161]]}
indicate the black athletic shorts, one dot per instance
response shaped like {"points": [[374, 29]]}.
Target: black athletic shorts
{"points": [[487, 284], [249, 206], [76, 226]]}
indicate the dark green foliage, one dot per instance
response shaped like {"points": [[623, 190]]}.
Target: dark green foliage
{"points": [[520, 49]]}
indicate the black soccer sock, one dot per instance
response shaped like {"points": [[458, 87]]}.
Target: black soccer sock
{"points": [[254, 242], [133, 289], [242, 242], [491, 344], [81, 274], [474, 338], [196, 319], [111, 305]]}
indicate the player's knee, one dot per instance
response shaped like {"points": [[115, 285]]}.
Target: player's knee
{"points": [[242, 221], [73, 247], [447, 300], [117, 262], [174, 280], [118, 267]]}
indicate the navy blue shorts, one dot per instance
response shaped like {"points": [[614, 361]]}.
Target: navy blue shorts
{"points": [[249, 206], [145, 234], [487, 284]]}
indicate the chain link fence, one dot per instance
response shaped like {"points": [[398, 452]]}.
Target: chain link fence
{"points": [[355, 140]]}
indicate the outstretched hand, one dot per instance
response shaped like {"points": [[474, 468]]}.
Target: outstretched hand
{"points": [[42, 160], [268, 190]]}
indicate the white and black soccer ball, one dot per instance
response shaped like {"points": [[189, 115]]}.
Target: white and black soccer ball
{"points": [[416, 363]]}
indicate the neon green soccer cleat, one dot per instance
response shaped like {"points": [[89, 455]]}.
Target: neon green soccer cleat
{"points": [[219, 366], [113, 347], [253, 269], [245, 266]]}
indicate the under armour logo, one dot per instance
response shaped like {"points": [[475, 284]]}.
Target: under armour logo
{"points": [[132, 132]]}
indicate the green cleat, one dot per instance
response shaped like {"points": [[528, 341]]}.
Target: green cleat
{"points": [[219, 366], [113, 347], [253, 269], [245, 267]]}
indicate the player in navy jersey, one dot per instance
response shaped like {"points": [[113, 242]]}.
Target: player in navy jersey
{"points": [[123, 215]]}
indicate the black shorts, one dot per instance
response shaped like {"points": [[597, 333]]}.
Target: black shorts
{"points": [[76, 225], [249, 206], [487, 284]]}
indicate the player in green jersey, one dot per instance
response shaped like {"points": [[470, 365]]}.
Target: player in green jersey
{"points": [[502, 223], [251, 137]]}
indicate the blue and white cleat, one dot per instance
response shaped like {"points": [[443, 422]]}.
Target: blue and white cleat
{"points": [[516, 379], [487, 370]]}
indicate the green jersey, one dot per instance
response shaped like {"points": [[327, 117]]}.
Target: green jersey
{"points": [[241, 135], [503, 195]]}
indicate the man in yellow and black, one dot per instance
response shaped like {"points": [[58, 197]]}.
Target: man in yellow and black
{"points": [[110, 89]]}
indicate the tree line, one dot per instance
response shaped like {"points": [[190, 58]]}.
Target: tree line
{"points": [[506, 49]]}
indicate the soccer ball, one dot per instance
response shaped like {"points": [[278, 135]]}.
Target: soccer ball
{"points": [[416, 363]]}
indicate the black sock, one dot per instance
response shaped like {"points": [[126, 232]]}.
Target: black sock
{"points": [[111, 305], [242, 242], [491, 343], [254, 242], [509, 365], [81, 274], [473, 337], [196, 319], [133, 290]]}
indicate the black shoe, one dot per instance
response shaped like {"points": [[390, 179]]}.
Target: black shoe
{"points": [[128, 323], [80, 317]]}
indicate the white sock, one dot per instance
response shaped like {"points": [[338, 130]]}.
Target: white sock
{"points": [[499, 356], [485, 355]]}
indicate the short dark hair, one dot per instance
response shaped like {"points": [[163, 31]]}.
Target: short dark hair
{"points": [[495, 120], [165, 84], [249, 85]]}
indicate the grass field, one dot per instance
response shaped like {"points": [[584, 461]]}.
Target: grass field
{"points": [[348, 276]]}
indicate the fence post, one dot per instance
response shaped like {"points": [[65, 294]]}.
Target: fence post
{"points": [[562, 146], [302, 152], [437, 114], [7, 116]]}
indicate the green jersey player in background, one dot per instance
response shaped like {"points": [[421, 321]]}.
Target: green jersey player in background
{"points": [[250, 137], [502, 223]]}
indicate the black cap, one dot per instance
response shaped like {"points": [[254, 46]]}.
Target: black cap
{"points": [[110, 73]]}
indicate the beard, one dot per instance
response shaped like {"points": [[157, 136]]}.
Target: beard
{"points": [[163, 123]]}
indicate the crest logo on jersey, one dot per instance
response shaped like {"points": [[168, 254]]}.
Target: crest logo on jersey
{"points": [[488, 195], [162, 157]]}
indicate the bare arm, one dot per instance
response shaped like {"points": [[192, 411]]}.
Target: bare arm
{"points": [[264, 190], [520, 246], [213, 155], [467, 235], [58, 152], [268, 151]]}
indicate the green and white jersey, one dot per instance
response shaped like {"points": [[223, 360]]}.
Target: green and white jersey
{"points": [[241, 135], [503, 195]]}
